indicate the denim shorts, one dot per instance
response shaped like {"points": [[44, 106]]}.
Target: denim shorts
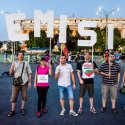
{"points": [[68, 90]]}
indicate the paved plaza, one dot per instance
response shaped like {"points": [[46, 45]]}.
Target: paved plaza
{"points": [[53, 117]]}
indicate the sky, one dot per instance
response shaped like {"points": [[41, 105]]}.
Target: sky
{"points": [[77, 8]]}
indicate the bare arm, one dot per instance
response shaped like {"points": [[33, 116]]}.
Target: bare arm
{"points": [[105, 74], [35, 79], [29, 79], [50, 70], [118, 78], [79, 76], [73, 78], [57, 74], [11, 70], [96, 70], [123, 80]]}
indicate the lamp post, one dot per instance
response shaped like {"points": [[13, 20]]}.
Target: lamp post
{"points": [[12, 42], [106, 14]]}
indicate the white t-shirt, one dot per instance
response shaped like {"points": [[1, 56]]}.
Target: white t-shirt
{"points": [[65, 75]]}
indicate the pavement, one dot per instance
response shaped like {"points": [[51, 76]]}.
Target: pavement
{"points": [[53, 107]]}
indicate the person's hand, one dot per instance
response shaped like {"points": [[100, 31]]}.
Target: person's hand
{"points": [[59, 71], [74, 86], [50, 66], [29, 84], [81, 81], [34, 85], [109, 75]]}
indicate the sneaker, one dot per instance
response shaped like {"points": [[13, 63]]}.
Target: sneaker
{"points": [[23, 112], [11, 113], [114, 111], [44, 110], [63, 112], [93, 110], [73, 113], [80, 111], [38, 114], [103, 109]]}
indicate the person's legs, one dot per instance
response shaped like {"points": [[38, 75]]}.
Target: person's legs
{"points": [[82, 91], [15, 93], [24, 98], [45, 90], [62, 103], [113, 91], [71, 97], [90, 88], [71, 101], [104, 91], [39, 102]]}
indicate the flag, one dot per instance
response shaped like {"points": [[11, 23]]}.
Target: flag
{"points": [[64, 48]]}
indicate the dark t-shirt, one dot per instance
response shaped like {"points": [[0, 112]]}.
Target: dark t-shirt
{"points": [[80, 67]]}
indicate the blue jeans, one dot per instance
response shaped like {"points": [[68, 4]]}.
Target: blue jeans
{"points": [[68, 90]]}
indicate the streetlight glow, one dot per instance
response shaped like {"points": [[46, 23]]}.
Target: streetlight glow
{"points": [[118, 9], [100, 8], [106, 14]]}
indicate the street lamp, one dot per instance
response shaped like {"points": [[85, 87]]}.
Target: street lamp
{"points": [[106, 14]]}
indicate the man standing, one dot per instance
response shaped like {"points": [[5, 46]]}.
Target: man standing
{"points": [[110, 72], [64, 73], [85, 72], [20, 67]]}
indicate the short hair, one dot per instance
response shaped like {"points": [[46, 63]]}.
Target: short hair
{"points": [[20, 52], [87, 52], [63, 55], [111, 53]]}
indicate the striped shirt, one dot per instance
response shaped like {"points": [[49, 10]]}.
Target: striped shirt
{"points": [[114, 69]]}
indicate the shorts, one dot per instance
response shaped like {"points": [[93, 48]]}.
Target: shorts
{"points": [[109, 89], [16, 90], [89, 87], [68, 90]]}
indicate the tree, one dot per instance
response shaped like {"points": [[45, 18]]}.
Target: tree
{"points": [[1, 44], [41, 41]]}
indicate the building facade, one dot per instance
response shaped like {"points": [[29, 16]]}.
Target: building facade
{"points": [[28, 24]]}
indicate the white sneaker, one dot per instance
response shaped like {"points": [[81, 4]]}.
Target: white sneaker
{"points": [[62, 112], [93, 110], [73, 113]]}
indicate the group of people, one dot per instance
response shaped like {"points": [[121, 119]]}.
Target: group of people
{"points": [[117, 55], [86, 69]]}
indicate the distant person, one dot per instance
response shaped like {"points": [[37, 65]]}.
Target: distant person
{"points": [[117, 55], [106, 55], [78, 57], [69, 57], [41, 82], [64, 73]]}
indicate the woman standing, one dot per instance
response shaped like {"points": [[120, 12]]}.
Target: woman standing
{"points": [[41, 82]]}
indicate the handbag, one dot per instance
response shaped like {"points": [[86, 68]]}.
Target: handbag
{"points": [[122, 89], [18, 81]]}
